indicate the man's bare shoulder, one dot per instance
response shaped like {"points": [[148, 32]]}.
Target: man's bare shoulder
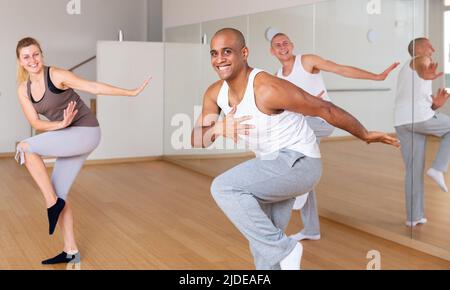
{"points": [[266, 83], [213, 90], [270, 92]]}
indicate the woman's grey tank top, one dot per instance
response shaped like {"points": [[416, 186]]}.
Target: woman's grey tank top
{"points": [[55, 101]]}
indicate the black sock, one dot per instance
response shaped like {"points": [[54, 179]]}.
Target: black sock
{"points": [[61, 258], [53, 214]]}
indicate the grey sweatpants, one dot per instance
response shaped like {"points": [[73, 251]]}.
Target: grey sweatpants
{"points": [[71, 146], [309, 212], [413, 142], [257, 196]]}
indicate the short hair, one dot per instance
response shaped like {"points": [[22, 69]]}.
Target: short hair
{"points": [[278, 34], [239, 36], [412, 45]]}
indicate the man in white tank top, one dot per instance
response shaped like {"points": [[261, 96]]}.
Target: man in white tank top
{"points": [[415, 119], [304, 71], [257, 195]]}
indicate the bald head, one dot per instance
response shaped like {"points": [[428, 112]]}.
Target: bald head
{"points": [[282, 47], [416, 45], [236, 34], [279, 35]]}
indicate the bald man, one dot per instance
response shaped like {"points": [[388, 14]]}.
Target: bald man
{"points": [[304, 71], [415, 119], [268, 114]]}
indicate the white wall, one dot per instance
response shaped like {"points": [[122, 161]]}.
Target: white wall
{"points": [[182, 12], [187, 75], [344, 40], [336, 30], [154, 23], [66, 40], [297, 22], [131, 126]]}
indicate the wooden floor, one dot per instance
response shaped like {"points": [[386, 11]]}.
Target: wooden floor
{"points": [[364, 185], [157, 215], [371, 188]]}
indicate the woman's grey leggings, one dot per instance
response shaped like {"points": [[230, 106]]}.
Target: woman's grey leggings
{"points": [[71, 146]]}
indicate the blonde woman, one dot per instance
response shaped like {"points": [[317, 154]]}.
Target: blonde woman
{"points": [[72, 132]]}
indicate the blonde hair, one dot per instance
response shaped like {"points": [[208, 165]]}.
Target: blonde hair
{"points": [[22, 74]]}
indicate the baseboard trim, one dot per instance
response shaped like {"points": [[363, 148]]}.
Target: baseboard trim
{"points": [[339, 138], [208, 156], [348, 138], [50, 162], [7, 155], [124, 160], [197, 169]]}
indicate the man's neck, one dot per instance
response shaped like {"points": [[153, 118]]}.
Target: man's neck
{"points": [[238, 85], [288, 65]]}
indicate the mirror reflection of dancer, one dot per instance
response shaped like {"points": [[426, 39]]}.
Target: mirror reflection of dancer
{"points": [[267, 112], [72, 133], [415, 120], [304, 71]]}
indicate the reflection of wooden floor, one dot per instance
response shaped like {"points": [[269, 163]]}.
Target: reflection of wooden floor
{"points": [[362, 185], [156, 215]]}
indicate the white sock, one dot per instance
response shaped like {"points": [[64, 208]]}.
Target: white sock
{"points": [[292, 261], [72, 252], [300, 237], [438, 177], [413, 224]]}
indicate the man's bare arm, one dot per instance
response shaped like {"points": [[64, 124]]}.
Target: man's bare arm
{"points": [[203, 135], [276, 94], [315, 62], [208, 127]]}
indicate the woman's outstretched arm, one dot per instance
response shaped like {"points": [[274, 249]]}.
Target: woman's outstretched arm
{"points": [[65, 79]]}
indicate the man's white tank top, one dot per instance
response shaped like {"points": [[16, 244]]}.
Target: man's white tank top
{"points": [[412, 92], [287, 130], [309, 82]]}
